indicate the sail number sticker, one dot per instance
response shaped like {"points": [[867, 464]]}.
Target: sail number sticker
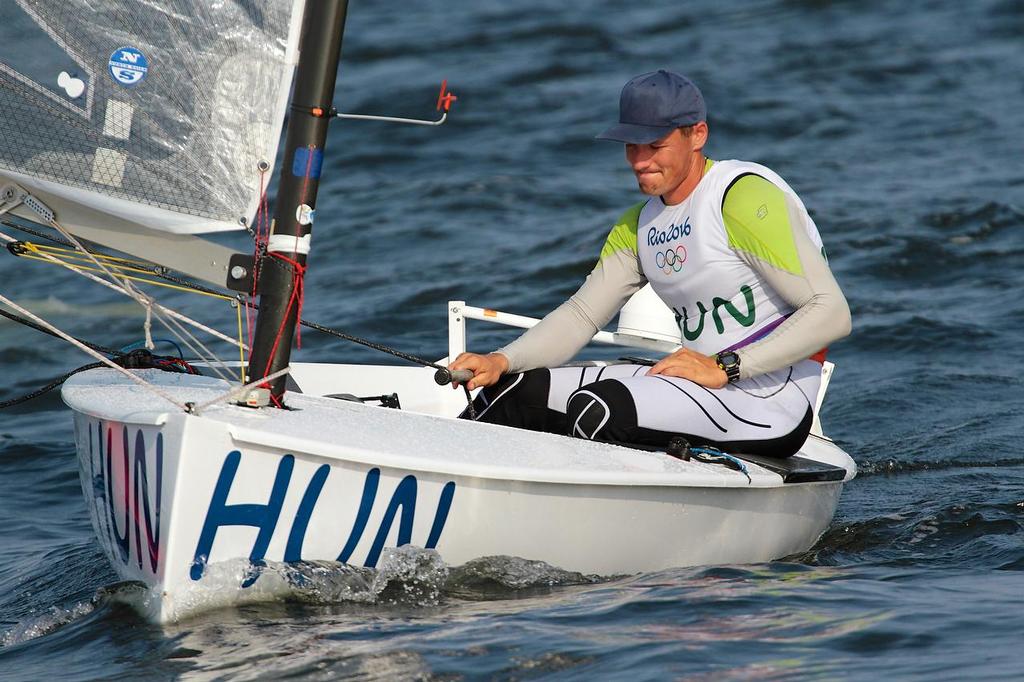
{"points": [[128, 66]]}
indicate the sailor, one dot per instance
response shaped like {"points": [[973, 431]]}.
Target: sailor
{"points": [[730, 247]]}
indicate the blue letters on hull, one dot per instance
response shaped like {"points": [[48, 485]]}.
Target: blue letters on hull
{"points": [[127, 515], [266, 516], [118, 515]]}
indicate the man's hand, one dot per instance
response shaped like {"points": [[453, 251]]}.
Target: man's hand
{"points": [[487, 369], [687, 364]]}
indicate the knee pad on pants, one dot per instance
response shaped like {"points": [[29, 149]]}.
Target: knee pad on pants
{"points": [[603, 410]]}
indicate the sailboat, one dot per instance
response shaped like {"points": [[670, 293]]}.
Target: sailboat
{"points": [[151, 136]]}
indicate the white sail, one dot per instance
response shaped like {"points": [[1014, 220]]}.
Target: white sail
{"points": [[155, 113]]}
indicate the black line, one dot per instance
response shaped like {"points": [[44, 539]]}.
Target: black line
{"points": [[695, 402], [770, 395], [599, 373], [500, 395], [583, 373], [735, 416], [797, 387]]}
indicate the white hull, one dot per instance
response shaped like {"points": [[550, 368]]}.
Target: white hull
{"points": [[172, 495]]}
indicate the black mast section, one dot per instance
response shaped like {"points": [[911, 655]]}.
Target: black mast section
{"points": [[320, 48]]}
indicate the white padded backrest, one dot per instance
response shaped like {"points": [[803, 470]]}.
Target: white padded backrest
{"points": [[645, 315]]}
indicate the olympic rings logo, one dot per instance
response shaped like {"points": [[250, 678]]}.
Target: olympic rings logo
{"points": [[671, 260]]}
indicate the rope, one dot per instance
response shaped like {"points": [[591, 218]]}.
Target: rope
{"points": [[89, 351], [712, 455], [239, 391], [48, 387], [33, 325], [187, 285], [298, 273], [138, 359], [151, 306], [34, 233], [370, 344]]}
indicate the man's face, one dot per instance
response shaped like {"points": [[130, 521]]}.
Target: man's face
{"points": [[663, 166]]}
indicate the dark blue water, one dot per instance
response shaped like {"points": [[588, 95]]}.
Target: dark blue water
{"points": [[899, 124]]}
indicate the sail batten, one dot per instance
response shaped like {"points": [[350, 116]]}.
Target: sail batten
{"points": [[156, 113]]}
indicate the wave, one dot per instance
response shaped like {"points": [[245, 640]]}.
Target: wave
{"points": [[45, 623], [892, 466], [406, 577]]}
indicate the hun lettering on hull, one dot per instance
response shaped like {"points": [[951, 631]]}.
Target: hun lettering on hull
{"points": [[265, 515], [127, 492]]}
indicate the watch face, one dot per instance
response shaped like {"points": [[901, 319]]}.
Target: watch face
{"points": [[728, 358]]}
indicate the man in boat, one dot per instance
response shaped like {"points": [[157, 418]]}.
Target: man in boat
{"points": [[730, 247]]}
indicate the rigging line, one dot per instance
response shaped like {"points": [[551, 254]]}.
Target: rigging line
{"points": [[29, 323], [370, 344], [35, 233], [128, 361], [186, 285], [178, 285], [186, 337], [136, 265], [175, 287], [71, 253], [241, 345], [155, 270], [106, 361], [239, 391], [33, 253], [151, 306], [48, 387], [121, 290], [82, 270]]}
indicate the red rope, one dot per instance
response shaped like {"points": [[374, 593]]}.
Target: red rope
{"points": [[297, 297], [298, 274]]}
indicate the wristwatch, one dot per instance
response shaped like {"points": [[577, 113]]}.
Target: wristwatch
{"points": [[729, 363]]}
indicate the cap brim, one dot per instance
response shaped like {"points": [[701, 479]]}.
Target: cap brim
{"points": [[631, 133]]}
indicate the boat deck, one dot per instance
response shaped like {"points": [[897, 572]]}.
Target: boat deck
{"points": [[338, 429]]}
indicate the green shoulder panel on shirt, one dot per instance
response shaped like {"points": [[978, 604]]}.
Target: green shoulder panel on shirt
{"points": [[757, 221], [623, 234]]}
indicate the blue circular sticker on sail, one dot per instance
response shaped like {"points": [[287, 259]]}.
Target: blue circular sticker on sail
{"points": [[128, 66]]}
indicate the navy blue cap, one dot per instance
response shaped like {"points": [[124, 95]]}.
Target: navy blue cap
{"points": [[654, 104]]}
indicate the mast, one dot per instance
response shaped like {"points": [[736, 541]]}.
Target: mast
{"points": [[282, 269]]}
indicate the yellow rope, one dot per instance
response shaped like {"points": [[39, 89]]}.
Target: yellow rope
{"points": [[75, 261], [73, 255], [241, 346]]}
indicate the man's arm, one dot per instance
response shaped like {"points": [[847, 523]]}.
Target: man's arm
{"points": [[570, 326], [564, 331], [767, 230]]}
